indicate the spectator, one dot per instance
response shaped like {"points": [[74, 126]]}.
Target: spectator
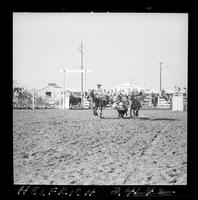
{"points": [[163, 93], [185, 91]]}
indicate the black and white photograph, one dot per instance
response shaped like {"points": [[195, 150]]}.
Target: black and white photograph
{"points": [[100, 98]]}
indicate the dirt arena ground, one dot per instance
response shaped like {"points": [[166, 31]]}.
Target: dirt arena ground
{"points": [[74, 147]]}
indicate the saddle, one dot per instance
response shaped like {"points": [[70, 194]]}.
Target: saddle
{"points": [[99, 96]]}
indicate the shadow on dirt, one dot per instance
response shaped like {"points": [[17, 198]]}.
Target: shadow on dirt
{"points": [[142, 118], [158, 119], [110, 118]]}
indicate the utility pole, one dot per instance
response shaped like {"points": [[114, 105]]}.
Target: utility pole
{"points": [[63, 89], [85, 82], [33, 100], [160, 76], [81, 51]]}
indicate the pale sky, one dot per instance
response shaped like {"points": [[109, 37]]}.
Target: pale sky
{"points": [[118, 48]]}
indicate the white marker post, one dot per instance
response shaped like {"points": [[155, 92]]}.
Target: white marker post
{"points": [[63, 77], [33, 98]]}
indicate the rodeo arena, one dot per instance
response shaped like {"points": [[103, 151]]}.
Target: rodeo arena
{"points": [[123, 136], [126, 135]]}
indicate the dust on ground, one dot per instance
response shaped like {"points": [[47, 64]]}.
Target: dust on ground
{"points": [[74, 147]]}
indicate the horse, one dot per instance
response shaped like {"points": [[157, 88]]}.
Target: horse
{"points": [[134, 105], [74, 101], [98, 102]]}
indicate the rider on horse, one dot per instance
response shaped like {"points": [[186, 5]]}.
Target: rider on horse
{"points": [[135, 102], [99, 100], [98, 92]]}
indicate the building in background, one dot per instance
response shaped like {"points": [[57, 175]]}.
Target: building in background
{"points": [[51, 94], [127, 86], [50, 91]]}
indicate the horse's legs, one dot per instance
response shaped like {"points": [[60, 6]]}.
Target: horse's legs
{"points": [[134, 113], [95, 110], [137, 112], [101, 105], [101, 112], [130, 112]]}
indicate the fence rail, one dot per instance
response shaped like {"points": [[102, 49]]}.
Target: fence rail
{"points": [[26, 102], [163, 104]]}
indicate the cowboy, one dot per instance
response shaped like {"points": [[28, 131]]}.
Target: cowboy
{"points": [[99, 91]]}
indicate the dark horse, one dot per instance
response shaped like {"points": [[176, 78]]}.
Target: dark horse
{"points": [[74, 101], [97, 102], [134, 105]]}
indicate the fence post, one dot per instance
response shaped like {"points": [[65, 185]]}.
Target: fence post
{"points": [[33, 101], [178, 102]]}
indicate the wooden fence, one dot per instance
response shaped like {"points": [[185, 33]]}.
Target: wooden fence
{"points": [[185, 102], [163, 104]]}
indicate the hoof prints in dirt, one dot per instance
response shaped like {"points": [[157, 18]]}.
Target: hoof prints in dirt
{"points": [[75, 147]]}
